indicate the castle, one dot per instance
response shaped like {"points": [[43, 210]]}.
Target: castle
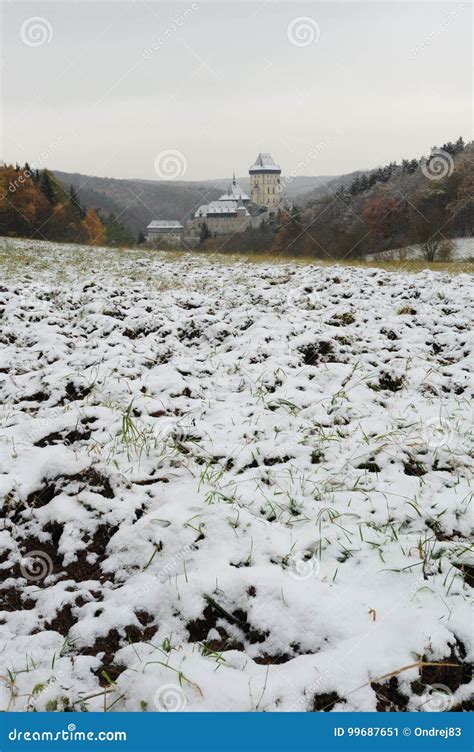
{"points": [[265, 182], [234, 211]]}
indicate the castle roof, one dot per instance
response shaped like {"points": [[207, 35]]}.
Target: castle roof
{"points": [[164, 224], [234, 193], [221, 208], [264, 163]]}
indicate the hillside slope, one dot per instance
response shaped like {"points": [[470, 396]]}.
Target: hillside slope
{"points": [[137, 202]]}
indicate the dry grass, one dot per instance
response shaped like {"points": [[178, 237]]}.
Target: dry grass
{"points": [[453, 267], [27, 258]]}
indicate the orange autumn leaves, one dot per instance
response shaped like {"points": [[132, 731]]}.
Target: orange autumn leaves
{"points": [[94, 228], [34, 204]]}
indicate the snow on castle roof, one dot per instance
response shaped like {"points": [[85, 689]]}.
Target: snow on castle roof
{"points": [[222, 207], [165, 224], [264, 163], [234, 193]]}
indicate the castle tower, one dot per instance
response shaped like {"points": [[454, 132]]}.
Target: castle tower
{"points": [[265, 188]]}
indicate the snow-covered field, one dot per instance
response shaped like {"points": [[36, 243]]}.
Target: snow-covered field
{"points": [[232, 486]]}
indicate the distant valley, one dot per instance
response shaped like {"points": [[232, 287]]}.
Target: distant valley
{"points": [[136, 202]]}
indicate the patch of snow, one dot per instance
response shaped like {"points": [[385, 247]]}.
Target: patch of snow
{"points": [[463, 251]]}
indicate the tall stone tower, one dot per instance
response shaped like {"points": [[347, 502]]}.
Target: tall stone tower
{"points": [[265, 186]]}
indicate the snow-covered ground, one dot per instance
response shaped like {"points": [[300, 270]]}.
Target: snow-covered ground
{"points": [[232, 486], [463, 251]]}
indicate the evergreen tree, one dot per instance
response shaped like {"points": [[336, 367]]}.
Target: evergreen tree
{"points": [[204, 233], [46, 186], [74, 200], [410, 165], [451, 148], [116, 233]]}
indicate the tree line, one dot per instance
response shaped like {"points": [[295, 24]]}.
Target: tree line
{"points": [[34, 204], [423, 202], [419, 202]]}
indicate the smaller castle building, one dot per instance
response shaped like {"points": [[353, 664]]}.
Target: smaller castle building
{"points": [[165, 230], [226, 215]]}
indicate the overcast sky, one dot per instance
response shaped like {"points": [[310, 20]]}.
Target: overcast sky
{"points": [[103, 88]]}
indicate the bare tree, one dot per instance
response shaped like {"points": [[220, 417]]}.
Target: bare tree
{"points": [[428, 224]]}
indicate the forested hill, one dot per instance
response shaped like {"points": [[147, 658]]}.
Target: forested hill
{"points": [[137, 202], [35, 204], [416, 202]]}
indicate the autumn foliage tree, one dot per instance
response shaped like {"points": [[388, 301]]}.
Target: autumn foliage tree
{"points": [[382, 216], [289, 236], [391, 207], [95, 230], [23, 207], [460, 184], [34, 204]]}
